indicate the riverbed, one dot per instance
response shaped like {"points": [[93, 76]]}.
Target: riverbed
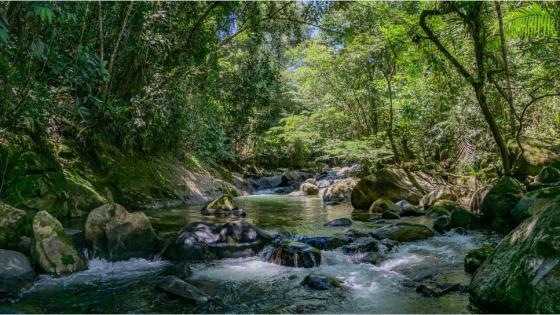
{"points": [[251, 285]]}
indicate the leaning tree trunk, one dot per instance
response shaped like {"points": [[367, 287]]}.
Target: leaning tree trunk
{"points": [[474, 22]]}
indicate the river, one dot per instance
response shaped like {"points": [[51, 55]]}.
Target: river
{"points": [[251, 285]]}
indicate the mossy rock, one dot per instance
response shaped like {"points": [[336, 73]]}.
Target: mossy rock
{"points": [[404, 232], [35, 180], [12, 222], [501, 199], [447, 204], [116, 234], [525, 207], [442, 224], [522, 275], [52, 249], [476, 257], [437, 211], [549, 175], [442, 192], [393, 184], [538, 153], [382, 205], [462, 218]]}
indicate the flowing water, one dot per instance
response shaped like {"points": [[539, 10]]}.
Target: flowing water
{"points": [[251, 285]]}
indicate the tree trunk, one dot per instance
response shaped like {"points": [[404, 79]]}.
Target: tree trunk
{"points": [[390, 124], [475, 25], [504, 51]]}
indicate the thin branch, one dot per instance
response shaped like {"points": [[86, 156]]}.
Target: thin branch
{"points": [[432, 36]]}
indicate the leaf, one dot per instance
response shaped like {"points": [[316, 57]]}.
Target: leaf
{"points": [[531, 21]]}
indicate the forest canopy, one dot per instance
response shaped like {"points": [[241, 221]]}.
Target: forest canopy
{"points": [[276, 84]]}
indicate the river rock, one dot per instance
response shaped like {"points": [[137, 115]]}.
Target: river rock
{"points": [[181, 270], [549, 175], [294, 254], [408, 210], [182, 289], [52, 249], [339, 191], [362, 245], [12, 221], [522, 275], [320, 281], [476, 257], [498, 203], [383, 204], [538, 153], [442, 224], [394, 184], [15, 272], [463, 218], [309, 189], [200, 241], [339, 222], [223, 206], [437, 289], [115, 234], [404, 232], [442, 192], [325, 242]]}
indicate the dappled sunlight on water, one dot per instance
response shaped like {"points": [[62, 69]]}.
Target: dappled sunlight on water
{"points": [[251, 285]]}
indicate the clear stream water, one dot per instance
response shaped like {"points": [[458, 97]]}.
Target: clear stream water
{"points": [[250, 285]]}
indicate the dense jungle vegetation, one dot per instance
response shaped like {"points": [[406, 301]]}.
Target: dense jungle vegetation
{"points": [[284, 83], [279, 157]]}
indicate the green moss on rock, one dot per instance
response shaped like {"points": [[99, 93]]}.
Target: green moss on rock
{"points": [[523, 274], [382, 205], [52, 250]]}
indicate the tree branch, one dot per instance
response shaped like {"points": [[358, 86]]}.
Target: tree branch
{"points": [[433, 38]]}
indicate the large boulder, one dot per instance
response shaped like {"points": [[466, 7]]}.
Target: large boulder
{"points": [[15, 272], [294, 254], [523, 274], [442, 192], [12, 221], [309, 189], [52, 249], [200, 241], [394, 184], [525, 206], [404, 232], [223, 206], [499, 201], [339, 191], [537, 154], [116, 234]]}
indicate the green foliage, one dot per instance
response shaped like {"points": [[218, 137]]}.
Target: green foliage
{"points": [[533, 20]]}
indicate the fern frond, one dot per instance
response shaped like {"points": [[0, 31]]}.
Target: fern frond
{"points": [[531, 21]]}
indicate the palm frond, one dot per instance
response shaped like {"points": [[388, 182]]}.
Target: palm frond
{"points": [[531, 21]]}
